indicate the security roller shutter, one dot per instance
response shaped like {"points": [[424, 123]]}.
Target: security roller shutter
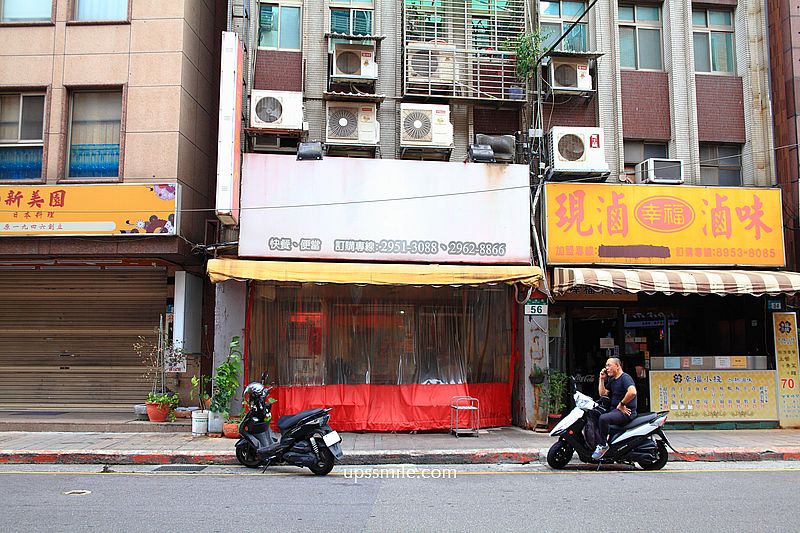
{"points": [[67, 335]]}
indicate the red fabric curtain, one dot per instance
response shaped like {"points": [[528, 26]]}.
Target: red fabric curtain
{"points": [[394, 407], [385, 358]]}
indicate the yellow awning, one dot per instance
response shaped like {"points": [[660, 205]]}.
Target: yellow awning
{"points": [[370, 273]]}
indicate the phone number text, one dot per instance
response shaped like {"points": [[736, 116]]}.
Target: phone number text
{"points": [[400, 246]]}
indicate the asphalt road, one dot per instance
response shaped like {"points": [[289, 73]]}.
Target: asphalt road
{"points": [[684, 497]]}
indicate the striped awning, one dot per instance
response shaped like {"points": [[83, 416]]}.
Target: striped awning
{"points": [[721, 282]]}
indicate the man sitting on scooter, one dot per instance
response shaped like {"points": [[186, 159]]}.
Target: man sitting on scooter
{"points": [[622, 391]]}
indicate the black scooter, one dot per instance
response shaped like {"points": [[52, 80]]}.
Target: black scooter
{"points": [[306, 439]]}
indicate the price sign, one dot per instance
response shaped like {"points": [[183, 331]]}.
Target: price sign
{"points": [[536, 307]]}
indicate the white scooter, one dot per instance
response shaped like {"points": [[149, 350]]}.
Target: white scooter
{"points": [[641, 441]]}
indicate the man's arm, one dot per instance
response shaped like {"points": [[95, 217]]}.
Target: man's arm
{"points": [[601, 385], [629, 395]]}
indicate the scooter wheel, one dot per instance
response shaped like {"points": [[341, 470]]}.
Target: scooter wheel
{"points": [[659, 463], [325, 463], [247, 456], [559, 455]]}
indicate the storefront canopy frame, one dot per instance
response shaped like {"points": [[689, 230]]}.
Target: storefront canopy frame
{"points": [[371, 273], [720, 282]]}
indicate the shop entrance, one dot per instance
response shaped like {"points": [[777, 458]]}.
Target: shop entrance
{"points": [[594, 334]]}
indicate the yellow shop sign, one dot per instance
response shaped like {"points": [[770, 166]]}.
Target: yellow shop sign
{"points": [[79, 210], [590, 223], [714, 395]]}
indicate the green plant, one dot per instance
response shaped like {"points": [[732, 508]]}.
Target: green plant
{"points": [[537, 375], [226, 379], [527, 47], [165, 399], [199, 387], [553, 392]]}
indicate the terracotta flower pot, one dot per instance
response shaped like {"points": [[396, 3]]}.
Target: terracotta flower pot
{"points": [[230, 430], [157, 412]]}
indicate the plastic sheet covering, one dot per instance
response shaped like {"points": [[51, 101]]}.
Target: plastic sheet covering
{"points": [[387, 358]]}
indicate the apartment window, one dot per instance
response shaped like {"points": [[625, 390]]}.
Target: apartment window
{"points": [[640, 37], [279, 26], [26, 10], [494, 23], [713, 40], [638, 151], [352, 16], [21, 135], [94, 133], [101, 10], [556, 18], [720, 165], [427, 20]]}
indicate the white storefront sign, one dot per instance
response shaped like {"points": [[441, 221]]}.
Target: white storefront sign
{"points": [[384, 209]]}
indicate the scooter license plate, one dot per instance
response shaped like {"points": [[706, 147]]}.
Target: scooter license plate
{"points": [[331, 438]]}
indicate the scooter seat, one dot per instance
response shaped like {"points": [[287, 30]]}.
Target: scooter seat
{"points": [[288, 421], [638, 421]]}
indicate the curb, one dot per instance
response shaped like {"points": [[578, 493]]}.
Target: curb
{"points": [[384, 457]]}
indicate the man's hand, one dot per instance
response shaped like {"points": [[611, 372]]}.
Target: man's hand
{"points": [[624, 409], [603, 374]]}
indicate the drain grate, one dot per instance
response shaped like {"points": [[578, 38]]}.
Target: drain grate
{"points": [[180, 468], [37, 413]]}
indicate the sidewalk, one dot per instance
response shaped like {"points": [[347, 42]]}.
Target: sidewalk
{"points": [[500, 445]]}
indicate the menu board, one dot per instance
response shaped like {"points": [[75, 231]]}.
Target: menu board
{"points": [[714, 395], [786, 353]]}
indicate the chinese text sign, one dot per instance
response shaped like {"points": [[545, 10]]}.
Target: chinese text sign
{"points": [[714, 395], [62, 210], [786, 353], [663, 225]]}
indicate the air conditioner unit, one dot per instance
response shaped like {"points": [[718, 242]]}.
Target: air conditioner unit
{"points": [[569, 75], [425, 125], [354, 61], [430, 62], [662, 171], [576, 152], [276, 110], [352, 123]]}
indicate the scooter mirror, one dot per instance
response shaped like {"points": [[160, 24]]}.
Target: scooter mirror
{"points": [[263, 378]]}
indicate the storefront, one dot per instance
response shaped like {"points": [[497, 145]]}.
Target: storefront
{"points": [[388, 344], [698, 342], [77, 291]]}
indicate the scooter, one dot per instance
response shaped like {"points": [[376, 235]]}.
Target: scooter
{"points": [[306, 439], [641, 441]]}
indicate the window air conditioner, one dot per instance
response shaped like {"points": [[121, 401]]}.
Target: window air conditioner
{"points": [[425, 125], [352, 123], [354, 61], [576, 152], [430, 62], [276, 110], [569, 75], [661, 171]]}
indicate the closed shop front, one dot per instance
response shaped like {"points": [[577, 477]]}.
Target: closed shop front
{"points": [[68, 334]]}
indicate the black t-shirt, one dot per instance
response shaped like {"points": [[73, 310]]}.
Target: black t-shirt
{"points": [[617, 388]]}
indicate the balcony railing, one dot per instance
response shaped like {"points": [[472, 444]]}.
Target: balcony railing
{"points": [[462, 48]]}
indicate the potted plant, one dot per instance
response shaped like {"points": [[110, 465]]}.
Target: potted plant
{"points": [[553, 395], [225, 384], [200, 416], [161, 405], [231, 427]]}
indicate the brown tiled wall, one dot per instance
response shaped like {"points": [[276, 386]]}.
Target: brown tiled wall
{"points": [[278, 71], [645, 105], [575, 111], [720, 109], [495, 121], [784, 43]]}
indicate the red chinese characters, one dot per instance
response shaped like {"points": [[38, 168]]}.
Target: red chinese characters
{"points": [[665, 214]]}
